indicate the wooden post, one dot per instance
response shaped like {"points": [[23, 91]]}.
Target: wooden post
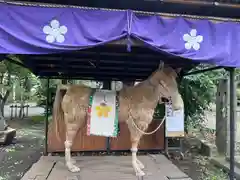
{"points": [[64, 81], [27, 110], [46, 121], [11, 114], [222, 101], [232, 110], [16, 106]]}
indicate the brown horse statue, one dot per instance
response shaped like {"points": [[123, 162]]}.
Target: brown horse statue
{"points": [[136, 108]]}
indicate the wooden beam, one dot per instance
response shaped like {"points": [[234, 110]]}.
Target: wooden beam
{"points": [[102, 73], [146, 7], [93, 63], [205, 2], [57, 67], [203, 70], [111, 53], [108, 62], [91, 76], [96, 78]]}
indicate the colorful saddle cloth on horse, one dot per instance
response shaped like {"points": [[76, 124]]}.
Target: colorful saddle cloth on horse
{"points": [[103, 113]]}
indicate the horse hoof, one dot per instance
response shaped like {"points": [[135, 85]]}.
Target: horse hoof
{"points": [[140, 174], [73, 168], [140, 177]]}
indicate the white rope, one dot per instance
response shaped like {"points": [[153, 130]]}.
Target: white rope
{"points": [[149, 133]]}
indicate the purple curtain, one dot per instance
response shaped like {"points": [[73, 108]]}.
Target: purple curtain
{"points": [[38, 30]]}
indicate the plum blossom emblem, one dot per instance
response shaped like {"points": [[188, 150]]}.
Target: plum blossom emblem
{"points": [[55, 32], [192, 40]]}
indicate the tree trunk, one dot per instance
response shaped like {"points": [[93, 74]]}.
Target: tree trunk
{"points": [[21, 112], [3, 123], [3, 100], [1, 109]]}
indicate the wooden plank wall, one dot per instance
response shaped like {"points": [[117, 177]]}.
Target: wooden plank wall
{"points": [[95, 143]]}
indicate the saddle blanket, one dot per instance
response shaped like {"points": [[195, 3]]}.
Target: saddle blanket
{"points": [[103, 114]]}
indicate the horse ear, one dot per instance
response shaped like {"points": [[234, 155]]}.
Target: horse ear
{"points": [[161, 65], [178, 70]]}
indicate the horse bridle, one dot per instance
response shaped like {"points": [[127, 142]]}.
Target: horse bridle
{"points": [[161, 84]]}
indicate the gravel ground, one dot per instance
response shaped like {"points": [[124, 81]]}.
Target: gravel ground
{"points": [[17, 158], [197, 167]]}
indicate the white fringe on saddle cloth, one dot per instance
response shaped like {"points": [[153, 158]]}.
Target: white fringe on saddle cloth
{"points": [[103, 114]]}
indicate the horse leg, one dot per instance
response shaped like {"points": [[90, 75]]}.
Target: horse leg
{"points": [[140, 164], [135, 162], [71, 131]]}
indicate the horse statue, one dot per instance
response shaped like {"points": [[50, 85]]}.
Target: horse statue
{"points": [[136, 108]]}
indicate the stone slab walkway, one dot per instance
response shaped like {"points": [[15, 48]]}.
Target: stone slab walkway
{"points": [[157, 167]]}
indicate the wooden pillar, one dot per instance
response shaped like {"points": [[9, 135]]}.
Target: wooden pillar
{"points": [[222, 101], [46, 121], [107, 85], [64, 81], [232, 109]]}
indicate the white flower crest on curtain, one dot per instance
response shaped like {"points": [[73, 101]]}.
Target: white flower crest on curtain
{"points": [[192, 40], [55, 32]]}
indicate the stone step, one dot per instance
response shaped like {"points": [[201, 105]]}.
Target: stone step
{"points": [[7, 136]]}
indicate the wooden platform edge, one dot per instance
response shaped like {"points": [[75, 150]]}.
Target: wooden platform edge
{"points": [[42, 168]]}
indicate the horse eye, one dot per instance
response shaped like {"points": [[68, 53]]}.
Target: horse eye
{"points": [[165, 100]]}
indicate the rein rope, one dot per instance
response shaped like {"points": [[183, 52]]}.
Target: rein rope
{"points": [[152, 132]]}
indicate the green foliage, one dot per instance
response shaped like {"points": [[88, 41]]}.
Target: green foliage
{"points": [[18, 76], [159, 111], [38, 118], [215, 174], [42, 90], [238, 93], [198, 91]]}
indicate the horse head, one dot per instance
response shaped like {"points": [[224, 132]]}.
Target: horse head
{"points": [[166, 78]]}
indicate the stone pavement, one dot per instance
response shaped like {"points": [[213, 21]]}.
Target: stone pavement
{"points": [[157, 167]]}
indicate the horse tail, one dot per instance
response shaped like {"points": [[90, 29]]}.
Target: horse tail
{"points": [[58, 114]]}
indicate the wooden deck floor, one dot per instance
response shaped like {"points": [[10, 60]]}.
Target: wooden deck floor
{"points": [[157, 167]]}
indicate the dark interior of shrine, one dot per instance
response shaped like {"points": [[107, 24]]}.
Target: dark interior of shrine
{"points": [[103, 63]]}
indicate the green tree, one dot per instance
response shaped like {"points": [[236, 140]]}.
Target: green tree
{"points": [[198, 92], [42, 90], [11, 74]]}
